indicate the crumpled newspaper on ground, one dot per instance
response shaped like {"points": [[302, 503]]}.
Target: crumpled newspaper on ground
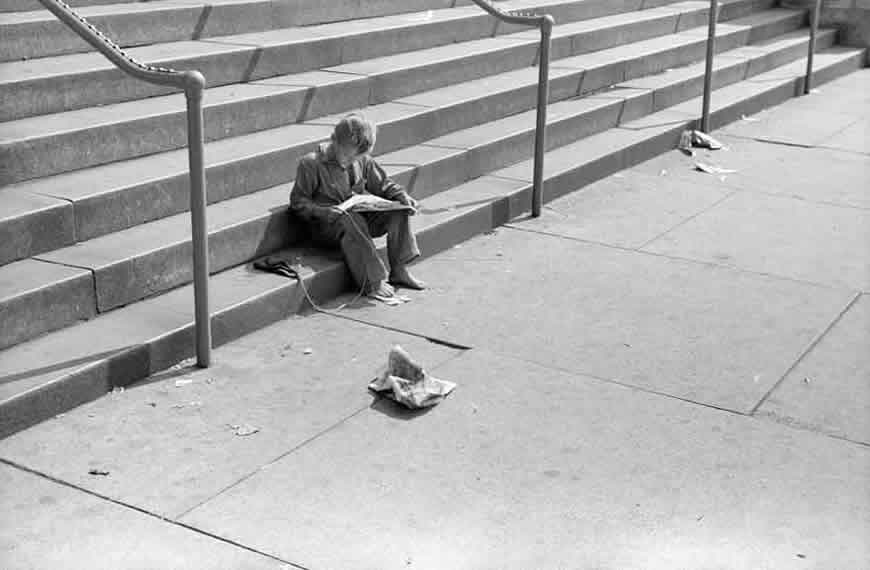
{"points": [[407, 383]]}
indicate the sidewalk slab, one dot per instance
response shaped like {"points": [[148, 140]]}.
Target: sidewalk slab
{"points": [[169, 447], [854, 138], [812, 119], [811, 242], [802, 173], [67, 528], [807, 128], [527, 467], [692, 330], [626, 209], [828, 391]]}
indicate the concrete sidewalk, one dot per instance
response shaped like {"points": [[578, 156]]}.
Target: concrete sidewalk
{"points": [[667, 370]]}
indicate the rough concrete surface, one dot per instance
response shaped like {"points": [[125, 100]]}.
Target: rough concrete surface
{"points": [[691, 330], [527, 467], [168, 444], [46, 525], [622, 407], [829, 391]]}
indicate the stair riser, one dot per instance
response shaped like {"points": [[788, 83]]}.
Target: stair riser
{"points": [[30, 5], [732, 11], [35, 233], [51, 37], [44, 310], [241, 63], [432, 177]]}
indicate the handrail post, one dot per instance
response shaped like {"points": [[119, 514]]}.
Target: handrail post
{"points": [[547, 22], [193, 93], [193, 84], [708, 74], [814, 28]]}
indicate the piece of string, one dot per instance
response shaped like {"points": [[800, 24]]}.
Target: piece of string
{"points": [[362, 289]]}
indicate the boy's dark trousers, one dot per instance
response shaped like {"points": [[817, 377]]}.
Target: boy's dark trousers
{"points": [[353, 233]]}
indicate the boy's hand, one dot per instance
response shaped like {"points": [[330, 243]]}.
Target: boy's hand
{"points": [[334, 213], [408, 201]]}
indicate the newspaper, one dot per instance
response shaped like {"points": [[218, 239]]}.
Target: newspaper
{"points": [[371, 203]]}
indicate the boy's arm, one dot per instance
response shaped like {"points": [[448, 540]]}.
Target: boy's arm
{"points": [[379, 184], [301, 196]]}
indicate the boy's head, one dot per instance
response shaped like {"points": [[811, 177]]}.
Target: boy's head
{"points": [[353, 136]]}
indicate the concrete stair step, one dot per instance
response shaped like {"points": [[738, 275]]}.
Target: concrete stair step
{"points": [[60, 370], [49, 85], [38, 33], [150, 258], [49, 144], [115, 196]]}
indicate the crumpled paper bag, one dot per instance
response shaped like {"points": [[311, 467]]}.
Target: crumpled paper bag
{"points": [[407, 383]]}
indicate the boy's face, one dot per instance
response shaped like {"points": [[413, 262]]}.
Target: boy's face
{"points": [[346, 154]]}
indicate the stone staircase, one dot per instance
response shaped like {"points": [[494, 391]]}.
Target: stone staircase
{"points": [[95, 251]]}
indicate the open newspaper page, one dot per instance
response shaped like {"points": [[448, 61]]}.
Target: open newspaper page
{"points": [[371, 203]]}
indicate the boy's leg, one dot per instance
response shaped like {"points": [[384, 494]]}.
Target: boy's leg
{"points": [[402, 246], [351, 233]]}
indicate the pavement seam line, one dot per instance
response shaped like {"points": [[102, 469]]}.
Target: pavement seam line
{"points": [[435, 340], [295, 448], [617, 382], [613, 381], [768, 417], [687, 220], [703, 262], [815, 341], [771, 142], [174, 522]]}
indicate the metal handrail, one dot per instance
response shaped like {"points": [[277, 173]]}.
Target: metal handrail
{"points": [[814, 29], [545, 22], [712, 17], [193, 84], [711, 39]]}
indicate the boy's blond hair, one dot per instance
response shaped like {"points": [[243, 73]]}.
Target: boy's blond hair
{"points": [[355, 131]]}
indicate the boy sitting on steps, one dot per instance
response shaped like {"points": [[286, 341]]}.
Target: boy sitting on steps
{"points": [[333, 173]]}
